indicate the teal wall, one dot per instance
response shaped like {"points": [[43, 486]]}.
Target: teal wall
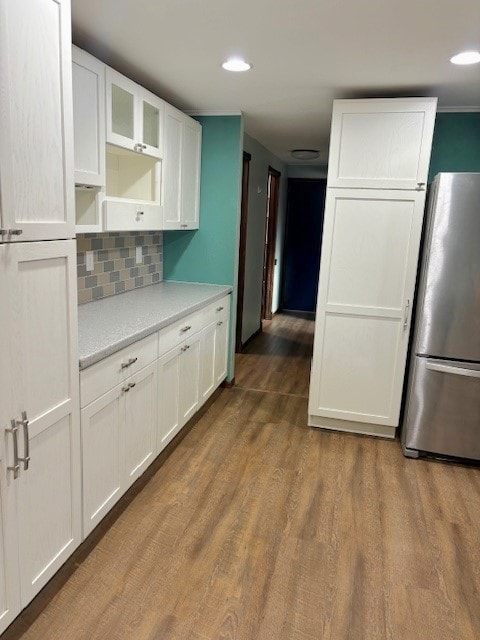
{"points": [[456, 143], [210, 254]]}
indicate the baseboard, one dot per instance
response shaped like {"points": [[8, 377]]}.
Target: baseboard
{"points": [[228, 384], [349, 426]]}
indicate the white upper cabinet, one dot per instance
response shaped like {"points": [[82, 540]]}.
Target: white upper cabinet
{"points": [[381, 143], [36, 134], [365, 296], [181, 183], [88, 78], [134, 116]]}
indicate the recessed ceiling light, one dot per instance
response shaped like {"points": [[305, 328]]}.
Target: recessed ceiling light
{"points": [[305, 154], [236, 64], [466, 57]]}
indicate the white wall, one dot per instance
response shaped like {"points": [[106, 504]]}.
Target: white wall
{"points": [[262, 158]]}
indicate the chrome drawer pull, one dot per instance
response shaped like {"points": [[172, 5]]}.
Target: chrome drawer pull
{"points": [[129, 362], [219, 308], [24, 422], [131, 385], [16, 467], [125, 389], [186, 328], [187, 346], [219, 323]]}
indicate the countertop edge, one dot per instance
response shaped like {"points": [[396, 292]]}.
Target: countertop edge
{"points": [[89, 360]]}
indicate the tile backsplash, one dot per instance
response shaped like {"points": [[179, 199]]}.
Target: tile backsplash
{"points": [[115, 268]]}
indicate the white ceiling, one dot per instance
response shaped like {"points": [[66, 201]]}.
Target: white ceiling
{"points": [[304, 54]]}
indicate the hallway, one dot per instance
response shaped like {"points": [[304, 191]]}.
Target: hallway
{"points": [[256, 527]]}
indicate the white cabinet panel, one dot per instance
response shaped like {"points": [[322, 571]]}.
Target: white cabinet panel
{"points": [[10, 604], [42, 320], [191, 150], [140, 422], [381, 143], [168, 396], [189, 378], [207, 363], [367, 279], [221, 350], [172, 169], [88, 78], [103, 455], [36, 144]]}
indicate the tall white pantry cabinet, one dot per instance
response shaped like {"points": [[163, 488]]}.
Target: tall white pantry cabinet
{"points": [[39, 415], [378, 169]]}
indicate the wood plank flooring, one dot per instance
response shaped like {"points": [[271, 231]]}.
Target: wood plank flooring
{"points": [[256, 527]]}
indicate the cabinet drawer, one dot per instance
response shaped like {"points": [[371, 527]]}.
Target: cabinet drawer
{"points": [[131, 216], [179, 331], [106, 374], [218, 310]]}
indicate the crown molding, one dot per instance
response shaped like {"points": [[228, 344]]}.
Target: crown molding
{"points": [[213, 112], [458, 109]]}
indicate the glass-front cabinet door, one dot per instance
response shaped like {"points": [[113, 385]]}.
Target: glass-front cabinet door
{"points": [[134, 116]]}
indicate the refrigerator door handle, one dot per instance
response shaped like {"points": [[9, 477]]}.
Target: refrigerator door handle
{"points": [[447, 368]]}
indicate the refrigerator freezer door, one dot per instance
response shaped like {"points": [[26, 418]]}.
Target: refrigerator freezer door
{"points": [[449, 308], [443, 408]]}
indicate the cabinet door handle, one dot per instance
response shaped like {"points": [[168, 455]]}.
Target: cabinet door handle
{"points": [[144, 146], [131, 385], [219, 323], [24, 422], [219, 308], [13, 430], [138, 147], [186, 328], [405, 318], [129, 362], [187, 346], [125, 389], [420, 186]]}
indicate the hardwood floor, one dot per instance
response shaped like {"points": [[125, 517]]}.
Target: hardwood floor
{"points": [[256, 527]]}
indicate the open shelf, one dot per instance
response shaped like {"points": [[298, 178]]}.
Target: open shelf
{"points": [[132, 176]]}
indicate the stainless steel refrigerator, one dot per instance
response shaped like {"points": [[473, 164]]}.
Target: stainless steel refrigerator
{"points": [[442, 413]]}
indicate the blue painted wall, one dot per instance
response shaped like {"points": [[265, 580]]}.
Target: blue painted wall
{"points": [[456, 143], [210, 254]]}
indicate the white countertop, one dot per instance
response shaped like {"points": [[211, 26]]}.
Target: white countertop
{"points": [[108, 325]]}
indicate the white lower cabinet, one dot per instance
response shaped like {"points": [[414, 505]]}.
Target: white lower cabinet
{"points": [[125, 428]]}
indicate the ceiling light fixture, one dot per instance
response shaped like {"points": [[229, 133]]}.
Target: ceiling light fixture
{"points": [[236, 64], [305, 154], [466, 57]]}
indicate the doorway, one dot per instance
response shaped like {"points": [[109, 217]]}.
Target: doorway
{"points": [[242, 249], [273, 190], [302, 244]]}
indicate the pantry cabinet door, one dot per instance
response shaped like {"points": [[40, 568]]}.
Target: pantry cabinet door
{"points": [[381, 143], [365, 297], [172, 167], [103, 455], [140, 422], [42, 317], [190, 181], [168, 422], [88, 78], [36, 136]]}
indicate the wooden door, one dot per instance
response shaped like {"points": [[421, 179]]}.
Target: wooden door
{"points": [[270, 243], [42, 317], [189, 377], [103, 456], [123, 120], [171, 180], [168, 422], [367, 279], [190, 173], [140, 422], [207, 362], [381, 143], [36, 136], [88, 78]]}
